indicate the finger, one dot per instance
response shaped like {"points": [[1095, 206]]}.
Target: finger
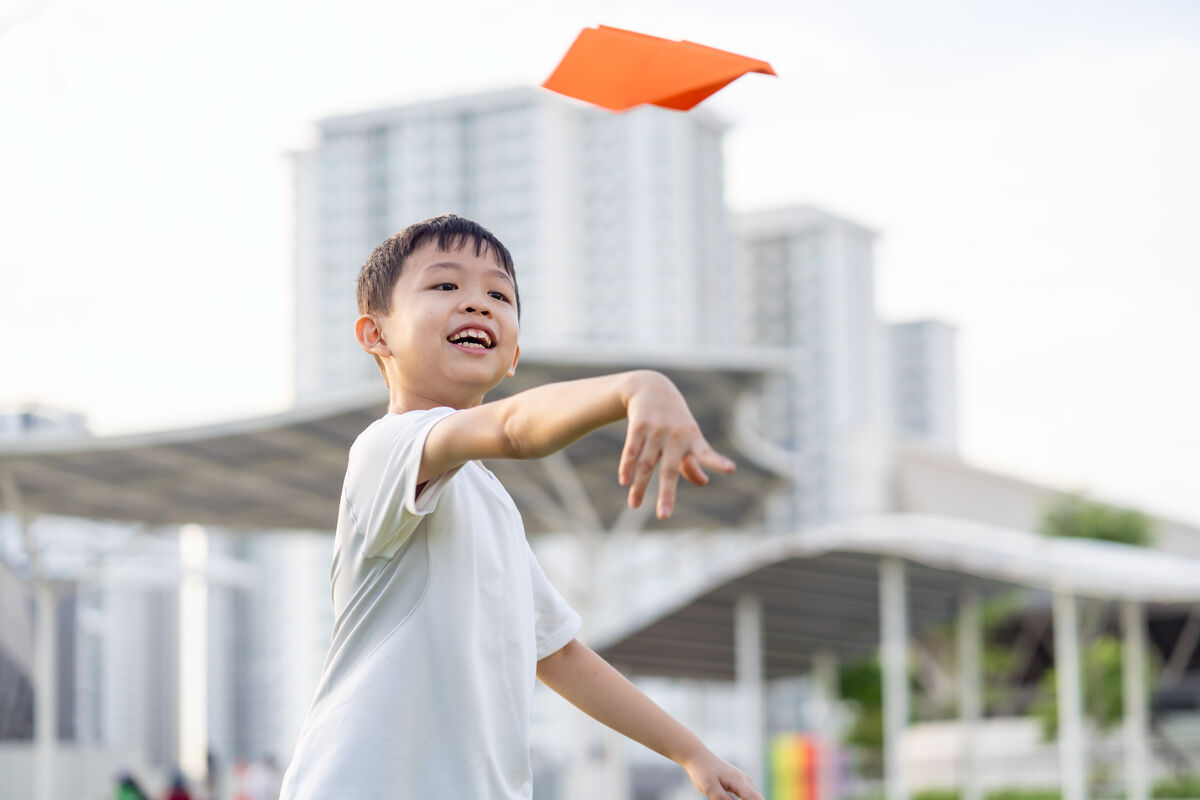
{"points": [[690, 469], [643, 468], [714, 460], [668, 480], [718, 792], [743, 788], [635, 439]]}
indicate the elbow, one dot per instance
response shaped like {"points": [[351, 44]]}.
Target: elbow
{"points": [[511, 441], [548, 668], [521, 437]]}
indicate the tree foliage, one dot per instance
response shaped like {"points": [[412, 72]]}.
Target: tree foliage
{"points": [[1103, 693], [861, 682], [1076, 516]]}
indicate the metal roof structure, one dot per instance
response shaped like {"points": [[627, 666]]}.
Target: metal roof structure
{"points": [[797, 603], [820, 590], [285, 470]]}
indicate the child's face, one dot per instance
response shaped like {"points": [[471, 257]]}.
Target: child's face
{"points": [[452, 331]]}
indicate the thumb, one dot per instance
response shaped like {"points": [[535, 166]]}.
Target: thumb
{"points": [[715, 791]]}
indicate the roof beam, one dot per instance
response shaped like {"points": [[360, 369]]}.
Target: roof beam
{"points": [[570, 489], [1185, 646]]}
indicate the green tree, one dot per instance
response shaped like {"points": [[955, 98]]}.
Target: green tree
{"points": [[861, 683], [1076, 516], [1103, 693]]}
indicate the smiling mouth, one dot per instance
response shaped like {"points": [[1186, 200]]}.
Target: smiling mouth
{"points": [[471, 337]]}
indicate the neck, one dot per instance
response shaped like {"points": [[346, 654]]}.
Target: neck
{"points": [[402, 399]]}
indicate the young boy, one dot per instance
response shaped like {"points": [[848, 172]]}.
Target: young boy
{"points": [[443, 616]]}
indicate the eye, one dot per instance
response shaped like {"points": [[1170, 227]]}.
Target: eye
{"points": [[445, 287], [501, 296]]}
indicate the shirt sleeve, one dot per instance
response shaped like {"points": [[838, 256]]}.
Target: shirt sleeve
{"points": [[381, 481], [555, 623]]}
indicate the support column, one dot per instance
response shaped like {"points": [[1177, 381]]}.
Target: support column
{"points": [[1137, 758], [748, 671], [893, 656], [193, 653], [1068, 696], [45, 689], [825, 675], [970, 691], [45, 648]]}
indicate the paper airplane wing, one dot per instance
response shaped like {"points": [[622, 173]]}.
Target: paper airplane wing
{"points": [[618, 69]]}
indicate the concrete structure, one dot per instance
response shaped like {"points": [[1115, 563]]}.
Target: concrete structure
{"points": [[32, 424], [282, 629], [617, 223], [805, 281], [36, 421], [924, 381], [928, 480]]}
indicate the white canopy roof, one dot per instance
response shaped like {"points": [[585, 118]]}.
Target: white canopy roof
{"points": [[285, 470], [820, 589], [1084, 567]]}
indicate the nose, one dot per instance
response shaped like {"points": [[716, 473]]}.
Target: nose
{"points": [[477, 307]]}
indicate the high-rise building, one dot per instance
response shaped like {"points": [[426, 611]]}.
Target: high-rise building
{"points": [[23, 423], [36, 421], [924, 378], [805, 280], [284, 627], [617, 223]]}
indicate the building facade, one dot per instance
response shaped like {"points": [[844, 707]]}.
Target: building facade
{"points": [[924, 375], [805, 279], [616, 223]]}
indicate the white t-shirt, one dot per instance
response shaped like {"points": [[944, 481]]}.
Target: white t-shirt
{"points": [[441, 613]]}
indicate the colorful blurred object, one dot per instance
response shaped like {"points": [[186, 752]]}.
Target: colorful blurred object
{"points": [[794, 767], [619, 69]]}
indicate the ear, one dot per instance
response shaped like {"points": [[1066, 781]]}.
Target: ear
{"points": [[516, 357], [370, 336]]}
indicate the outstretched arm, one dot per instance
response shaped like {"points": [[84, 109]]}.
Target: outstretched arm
{"points": [[591, 684], [540, 421]]}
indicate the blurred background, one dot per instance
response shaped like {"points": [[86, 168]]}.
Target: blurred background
{"points": [[944, 264]]}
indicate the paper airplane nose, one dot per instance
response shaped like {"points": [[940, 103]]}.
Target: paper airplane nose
{"points": [[618, 69]]}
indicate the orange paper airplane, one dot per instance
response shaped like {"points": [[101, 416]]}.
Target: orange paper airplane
{"points": [[618, 69]]}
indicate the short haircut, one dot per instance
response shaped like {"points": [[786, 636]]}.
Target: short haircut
{"points": [[450, 232]]}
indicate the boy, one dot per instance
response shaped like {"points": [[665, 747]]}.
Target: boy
{"points": [[443, 616]]}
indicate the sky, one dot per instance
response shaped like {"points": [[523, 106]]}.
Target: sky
{"points": [[1031, 168]]}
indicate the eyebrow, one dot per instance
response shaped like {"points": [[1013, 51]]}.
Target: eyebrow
{"points": [[454, 265]]}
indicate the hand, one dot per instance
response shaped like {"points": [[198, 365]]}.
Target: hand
{"points": [[662, 428], [720, 780]]}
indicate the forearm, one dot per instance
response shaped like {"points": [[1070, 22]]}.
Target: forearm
{"points": [[544, 420], [533, 423], [541, 421], [591, 684]]}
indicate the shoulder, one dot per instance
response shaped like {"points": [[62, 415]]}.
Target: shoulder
{"points": [[392, 428]]}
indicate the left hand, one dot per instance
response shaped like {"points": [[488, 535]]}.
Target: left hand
{"points": [[719, 780]]}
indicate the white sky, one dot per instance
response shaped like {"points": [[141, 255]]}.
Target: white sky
{"points": [[1032, 167]]}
